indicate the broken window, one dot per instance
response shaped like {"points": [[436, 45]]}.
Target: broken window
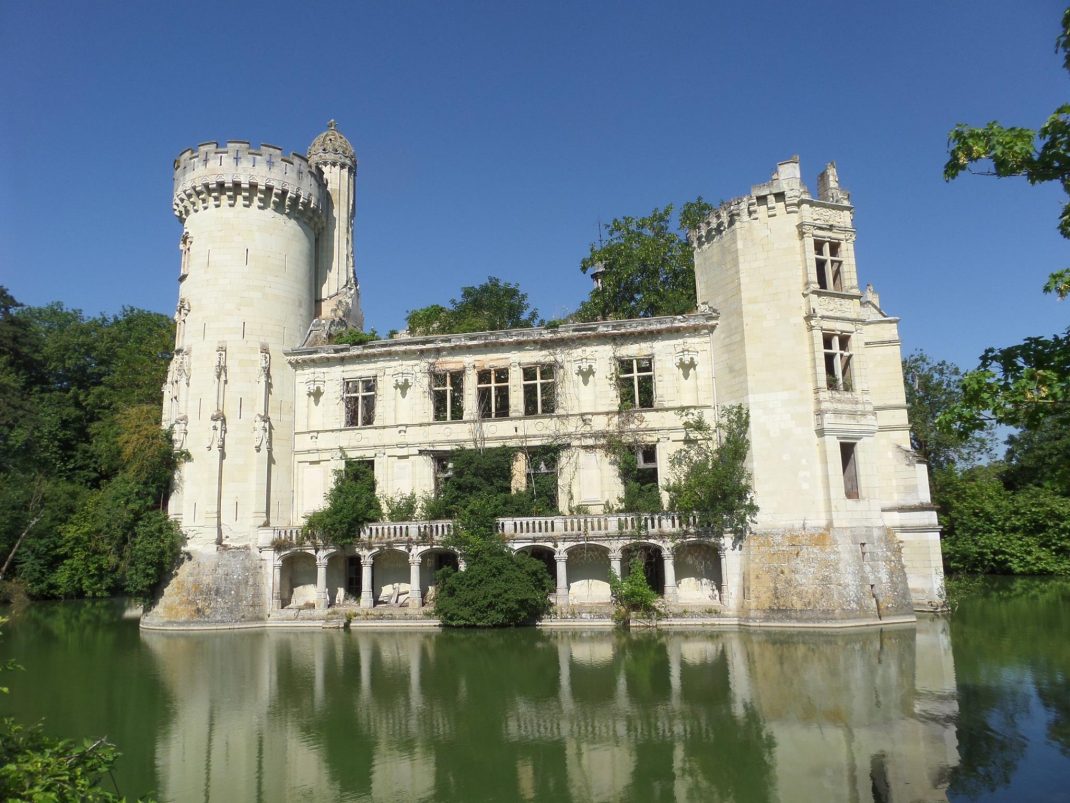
{"points": [[635, 382], [839, 374], [829, 264], [646, 458], [359, 402], [443, 472], [492, 392], [540, 390], [850, 469], [447, 395]]}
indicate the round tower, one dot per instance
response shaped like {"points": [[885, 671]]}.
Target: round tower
{"points": [[247, 290], [337, 290]]}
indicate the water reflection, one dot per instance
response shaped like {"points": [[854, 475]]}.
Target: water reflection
{"points": [[860, 715]]}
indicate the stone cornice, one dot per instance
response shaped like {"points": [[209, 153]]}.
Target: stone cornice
{"points": [[507, 339]]}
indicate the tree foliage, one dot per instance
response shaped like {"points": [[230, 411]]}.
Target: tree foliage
{"points": [[497, 588], [79, 429], [1020, 384], [710, 479], [647, 267], [486, 307], [989, 529], [931, 388], [487, 475], [351, 503]]}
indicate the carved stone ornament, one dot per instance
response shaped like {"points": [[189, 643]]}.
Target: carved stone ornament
{"points": [[182, 366], [584, 367], [265, 364], [182, 310], [402, 382], [220, 361], [314, 385], [261, 432], [178, 432], [219, 432], [331, 147]]}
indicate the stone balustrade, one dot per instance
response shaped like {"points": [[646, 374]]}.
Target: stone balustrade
{"points": [[606, 526]]}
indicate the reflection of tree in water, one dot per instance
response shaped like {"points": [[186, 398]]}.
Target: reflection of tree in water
{"points": [[1006, 637]]}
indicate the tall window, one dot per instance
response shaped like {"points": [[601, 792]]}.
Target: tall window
{"points": [[540, 390], [849, 463], [635, 382], [359, 400], [839, 374], [829, 264], [492, 392], [447, 395]]}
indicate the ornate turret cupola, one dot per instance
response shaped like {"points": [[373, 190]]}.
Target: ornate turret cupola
{"points": [[337, 290]]}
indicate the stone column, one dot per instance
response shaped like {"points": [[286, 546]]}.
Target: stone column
{"points": [[614, 562], [367, 598], [415, 595], [668, 562], [724, 576], [322, 600], [562, 578], [276, 585]]}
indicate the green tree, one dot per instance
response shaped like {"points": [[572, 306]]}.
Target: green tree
{"points": [[647, 267], [632, 595], [710, 479], [1021, 384], [497, 588], [351, 503], [931, 388], [486, 307]]}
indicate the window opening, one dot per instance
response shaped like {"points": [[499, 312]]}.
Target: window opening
{"points": [[635, 382], [829, 264], [359, 400], [492, 391], [447, 395], [443, 472], [540, 390], [646, 459], [849, 464], [353, 575], [839, 374]]}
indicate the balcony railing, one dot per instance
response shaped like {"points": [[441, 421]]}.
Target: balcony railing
{"points": [[521, 528]]}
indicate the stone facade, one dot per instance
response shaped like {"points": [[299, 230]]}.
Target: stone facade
{"points": [[269, 410]]}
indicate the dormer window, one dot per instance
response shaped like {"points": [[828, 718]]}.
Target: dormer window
{"points": [[829, 264]]}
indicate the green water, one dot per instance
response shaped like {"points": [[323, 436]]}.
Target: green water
{"points": [[972, 707]]}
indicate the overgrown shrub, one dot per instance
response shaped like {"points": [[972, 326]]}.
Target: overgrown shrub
{"points": [[487, 474], [632, 595], [498, 588], [710, 479], [401, 507], [351, 503]]}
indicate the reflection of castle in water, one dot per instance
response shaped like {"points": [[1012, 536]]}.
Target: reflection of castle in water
{"points": [[863, 715]]}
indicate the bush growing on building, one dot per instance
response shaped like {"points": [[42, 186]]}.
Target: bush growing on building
{"points": [[710, 479], [497, 588], [354, 337], [401, 507], [487, 475], [632, 595], [351, 503]]}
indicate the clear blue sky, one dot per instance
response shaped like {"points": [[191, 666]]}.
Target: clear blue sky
{"points": [[493, 136]]}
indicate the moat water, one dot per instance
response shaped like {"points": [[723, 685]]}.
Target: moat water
{"points": [[975, 707]]}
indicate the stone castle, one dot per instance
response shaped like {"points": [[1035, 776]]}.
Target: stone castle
{"points": [[269, 411]]}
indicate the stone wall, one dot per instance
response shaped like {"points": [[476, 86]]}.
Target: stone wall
{"points": [[211, 588], [801, 576]]}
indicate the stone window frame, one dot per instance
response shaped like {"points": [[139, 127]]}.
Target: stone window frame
{"points": [[830, 264], [838, 361], [492, 392], [450, 384], [631, 386], [359, 401], [534, 389]]}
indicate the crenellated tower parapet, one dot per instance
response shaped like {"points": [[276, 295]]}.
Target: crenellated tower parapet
{"points": [[211, 176]]}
